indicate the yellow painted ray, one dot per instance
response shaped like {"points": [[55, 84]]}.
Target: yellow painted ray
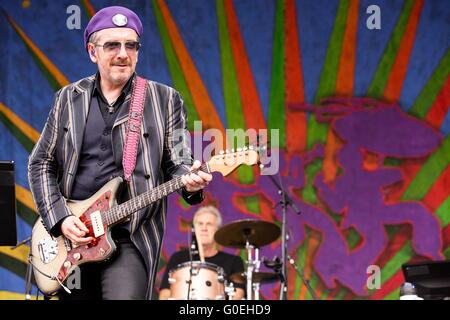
{"points": [[27, 130], [9, 295], [58, 78], [200, 96], [25, 197], [88, 8], [20, 253]]}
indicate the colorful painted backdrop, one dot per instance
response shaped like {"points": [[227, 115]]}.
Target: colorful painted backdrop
{"points": [[362, 113]]}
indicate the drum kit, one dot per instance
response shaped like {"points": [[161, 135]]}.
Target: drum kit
{"points": [[206, 281]]}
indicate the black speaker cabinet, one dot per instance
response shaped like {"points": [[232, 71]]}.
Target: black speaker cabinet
{"points": [[8, 231], [431, 279]]}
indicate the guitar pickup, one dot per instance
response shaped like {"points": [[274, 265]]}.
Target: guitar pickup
{"points": [[97, 224]]}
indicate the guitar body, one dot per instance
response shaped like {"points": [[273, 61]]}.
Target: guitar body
{"points": [[58, 257], [54, 259]]}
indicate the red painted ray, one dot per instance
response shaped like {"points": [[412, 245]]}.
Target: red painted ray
{"points": [[394, 245], [346, 73], [90, 10], [251, 105], [311, 249], [394, 84], [200, 96], [296, 125], [410, 168], [446, 236], [439, 192], [439, 109], [393, 283]]}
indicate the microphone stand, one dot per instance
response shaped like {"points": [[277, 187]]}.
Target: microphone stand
{"points": [[29, 269], [300, 274], [191, 260], [194, 251], [284, 202]]}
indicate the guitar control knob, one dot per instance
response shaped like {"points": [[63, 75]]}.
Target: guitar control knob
{"points": [[77, 256], [67, 264]]}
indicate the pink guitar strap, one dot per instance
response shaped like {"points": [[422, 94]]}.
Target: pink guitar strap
{"points": [[134, 127]]}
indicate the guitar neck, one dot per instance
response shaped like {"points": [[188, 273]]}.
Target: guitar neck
{"points": [[122, 211]]}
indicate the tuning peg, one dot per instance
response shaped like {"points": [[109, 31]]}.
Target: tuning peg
{"points": [[221, 152], [251, 148], [232, 150], [261, 166], [227, 151], [245, 148], [239, 149]]}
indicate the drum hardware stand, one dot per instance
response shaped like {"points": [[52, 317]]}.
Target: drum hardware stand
{"points": [[250, 264], [230, 291], [251, 235], [301, 275], [276, 266], [256, 285], [189, 282], [284, 202], [193, 250]]}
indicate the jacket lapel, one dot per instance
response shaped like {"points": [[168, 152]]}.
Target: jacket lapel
{"points": [[122, 115], [79, 108]]}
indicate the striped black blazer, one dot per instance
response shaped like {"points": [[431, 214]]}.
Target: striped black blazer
{"points": [[54, 160]]}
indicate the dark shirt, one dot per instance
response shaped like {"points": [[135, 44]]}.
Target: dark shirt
{"points": [[97, 166], [229, 262], [103, 103]]}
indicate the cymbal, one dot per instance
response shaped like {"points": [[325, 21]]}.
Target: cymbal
{"points": [[257, 232], [258, 277]]}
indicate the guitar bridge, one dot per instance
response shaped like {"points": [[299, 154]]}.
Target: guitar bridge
{"points": [[48, 250]]}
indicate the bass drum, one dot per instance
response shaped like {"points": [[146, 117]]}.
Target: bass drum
{"points": [[197, 281]]}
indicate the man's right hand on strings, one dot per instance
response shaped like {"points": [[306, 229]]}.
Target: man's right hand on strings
{"points": [[75, 230]]}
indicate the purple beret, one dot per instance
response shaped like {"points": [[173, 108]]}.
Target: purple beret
{"points": [[113, 17]]}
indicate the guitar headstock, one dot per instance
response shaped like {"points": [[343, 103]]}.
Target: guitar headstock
{"points": [[227, 162]]}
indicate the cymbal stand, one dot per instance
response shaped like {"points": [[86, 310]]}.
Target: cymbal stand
{"points": [[256, 285], [250, 265]]}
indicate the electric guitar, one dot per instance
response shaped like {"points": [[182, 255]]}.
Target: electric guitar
{"points": [[54, 259]]}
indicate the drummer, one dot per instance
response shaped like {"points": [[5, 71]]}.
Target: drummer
{"points": [[207, 221]]}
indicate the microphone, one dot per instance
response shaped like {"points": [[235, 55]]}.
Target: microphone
{"points": [[193, 248]]}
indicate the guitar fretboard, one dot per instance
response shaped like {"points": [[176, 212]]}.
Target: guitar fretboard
{"points": [[129, 207]]}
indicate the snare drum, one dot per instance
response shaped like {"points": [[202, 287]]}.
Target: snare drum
{"points": [[197, 281]]}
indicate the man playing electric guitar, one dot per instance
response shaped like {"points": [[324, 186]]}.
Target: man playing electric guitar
{"points": [[98, 127]]}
